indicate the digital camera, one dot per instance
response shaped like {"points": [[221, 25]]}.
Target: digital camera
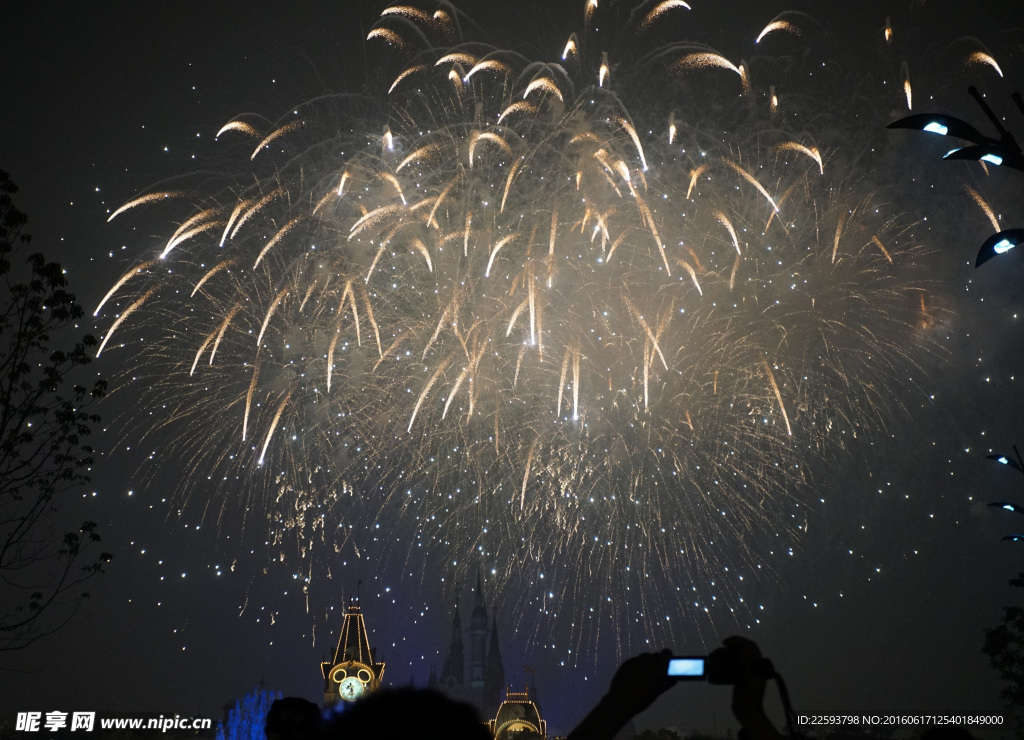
{"points": [[721, 667]]}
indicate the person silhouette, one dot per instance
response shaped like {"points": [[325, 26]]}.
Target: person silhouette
{"points": [[643, 678]]}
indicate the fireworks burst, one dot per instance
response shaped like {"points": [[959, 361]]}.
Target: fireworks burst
{"points": [[529, 320]]}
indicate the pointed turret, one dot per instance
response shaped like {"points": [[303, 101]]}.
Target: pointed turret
{"points": [[354, 643], [452, 673], [479, 610], [494, 676], [352, 658], [478, 638]]}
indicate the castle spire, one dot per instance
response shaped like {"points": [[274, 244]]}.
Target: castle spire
{"points": [[478, 600], [478, 638], [452, 672], [494, 676]]}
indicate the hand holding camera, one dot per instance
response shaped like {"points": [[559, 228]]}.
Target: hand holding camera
{"points": [[643, 678], [737, 660]]}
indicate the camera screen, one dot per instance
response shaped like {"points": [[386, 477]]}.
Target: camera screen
{"points": [[686, 667]]}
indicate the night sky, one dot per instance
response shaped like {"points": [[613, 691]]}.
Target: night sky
{"points": [[879, 606]]}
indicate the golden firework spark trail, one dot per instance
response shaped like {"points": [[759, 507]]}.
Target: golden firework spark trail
{"points": [[425, 391], [777, 25], [488, 65], [976, 197], [236, 212], [576, 384], [778, 396], [542, 83], [246, 128], [121, 319], [330, 358], [570, 47], [811, 152], [124, 279], [981, 57], [199, 353], [183, 236], [387, 34], [253, 209], [704, 59], [274, 135], [407, 10], [270, 315], [143, 199], [248, 399], [907, 92], [213, 271], [636, 141], [724, 220], [838, 235], [694, 174], [884, 251], [281, 233], [753, 181], [494, 253], [223, 328], [661, 8], [273, 426]]}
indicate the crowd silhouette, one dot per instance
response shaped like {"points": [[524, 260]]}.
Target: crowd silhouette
{"points": [[429, 715]]}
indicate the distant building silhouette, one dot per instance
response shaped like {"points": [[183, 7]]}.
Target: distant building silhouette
{"points": [[479, 677], [494, 674]]}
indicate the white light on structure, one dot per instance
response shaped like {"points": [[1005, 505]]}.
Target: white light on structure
{"points": [[1004, 460], [997, 244], [992, 159], [934, 123]]}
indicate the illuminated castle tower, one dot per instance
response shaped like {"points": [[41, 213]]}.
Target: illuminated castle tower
{"points": [[354, 671], [480, 679]]}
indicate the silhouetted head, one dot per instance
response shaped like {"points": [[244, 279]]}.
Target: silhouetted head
{"points": [[408, 712], [292, 718]]}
